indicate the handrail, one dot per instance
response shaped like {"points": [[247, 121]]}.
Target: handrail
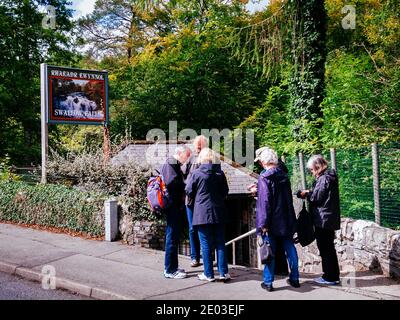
{"points": [[242, 236], [233, 242]]}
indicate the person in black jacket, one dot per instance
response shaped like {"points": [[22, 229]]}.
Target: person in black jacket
{"points": [[208, 188], [173, 178], [325, 208]]}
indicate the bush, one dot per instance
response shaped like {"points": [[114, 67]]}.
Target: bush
{"points": [[87, 172], [52, 206]]}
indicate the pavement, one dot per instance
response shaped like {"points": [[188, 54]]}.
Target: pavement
{"points": [[113, 270]]}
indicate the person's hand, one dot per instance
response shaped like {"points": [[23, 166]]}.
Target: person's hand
{"points": [[302, 194], [253, 189]]}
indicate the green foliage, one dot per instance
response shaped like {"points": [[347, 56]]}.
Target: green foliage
{"points": [[271, 122], [52, 206], [359, 108], [87, 172], [6, 170], [24, 44], [187, 77]]}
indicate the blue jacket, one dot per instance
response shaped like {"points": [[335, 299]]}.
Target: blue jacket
{"points": [[208, 187], [275, 204]]}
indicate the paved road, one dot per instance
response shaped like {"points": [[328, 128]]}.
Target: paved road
{"points": [[15, 288]]}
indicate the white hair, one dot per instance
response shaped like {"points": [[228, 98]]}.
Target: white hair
{"points": [[269, 156], [181, 149], [201, 138], [208, 156]]}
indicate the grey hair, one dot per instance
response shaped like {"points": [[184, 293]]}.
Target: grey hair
{"points": [[181, 149], [317, 162], [269, 156]]}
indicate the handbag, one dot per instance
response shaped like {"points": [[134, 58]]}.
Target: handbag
{"points": [[305, 227], [266, 253]]}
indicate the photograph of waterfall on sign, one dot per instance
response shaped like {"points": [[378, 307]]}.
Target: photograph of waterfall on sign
{"points": [[77, 100]]}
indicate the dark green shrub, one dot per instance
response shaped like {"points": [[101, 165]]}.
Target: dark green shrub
{"points": [[52, 206]]}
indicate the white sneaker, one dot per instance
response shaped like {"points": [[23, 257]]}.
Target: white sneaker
{"points": [[178, 274], [328, 283], [203, 277], [225, 277]]}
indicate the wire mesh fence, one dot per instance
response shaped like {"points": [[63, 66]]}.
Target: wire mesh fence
{"points": [[389, 158], [356, 183]]}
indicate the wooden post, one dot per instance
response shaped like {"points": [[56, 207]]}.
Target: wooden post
{"points": [[106, 144], [376, 179], [333, 159], [44, 125], [302, 171]]}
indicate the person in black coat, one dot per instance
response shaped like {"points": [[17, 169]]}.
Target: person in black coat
{"points": [[208, 188], [173, 179], [325, 208]]}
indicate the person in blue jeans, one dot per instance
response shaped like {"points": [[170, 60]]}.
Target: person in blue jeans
{"points": [[208, 188], [199, 143], [291, 254], [173, 178], [275, 216]]}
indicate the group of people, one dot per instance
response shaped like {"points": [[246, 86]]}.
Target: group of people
{"points": [[196, 181]]}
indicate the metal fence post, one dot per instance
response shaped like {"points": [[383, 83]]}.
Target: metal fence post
{"points": [[376, 177], [234, 253], [333, 159], [302, 171]]}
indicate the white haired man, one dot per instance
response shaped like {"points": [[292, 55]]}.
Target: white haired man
{"points": [[173, 179], [199, 143]]}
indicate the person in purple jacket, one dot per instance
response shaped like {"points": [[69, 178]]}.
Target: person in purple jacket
{"points": [[275, 216]]}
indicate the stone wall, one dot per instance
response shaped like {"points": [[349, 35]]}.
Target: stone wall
{"points": [[142, 233], [361, 244]]}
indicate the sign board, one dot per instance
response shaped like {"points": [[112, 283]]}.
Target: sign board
{"points": [[75, 96]]}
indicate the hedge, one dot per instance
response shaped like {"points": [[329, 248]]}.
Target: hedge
{"points": [[52, 206]]}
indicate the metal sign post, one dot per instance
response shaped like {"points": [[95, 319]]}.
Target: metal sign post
{"points": [[44, 125]]}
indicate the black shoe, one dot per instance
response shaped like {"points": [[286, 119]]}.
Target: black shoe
{"points": [[293, 283], [267, 287]]}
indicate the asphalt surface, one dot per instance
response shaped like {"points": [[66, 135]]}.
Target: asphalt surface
{"points": [[15, 288]]}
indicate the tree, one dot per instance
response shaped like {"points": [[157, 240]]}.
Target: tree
{"points": [[123, 27], [187, 76], [307, 81], [24, 44]]}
